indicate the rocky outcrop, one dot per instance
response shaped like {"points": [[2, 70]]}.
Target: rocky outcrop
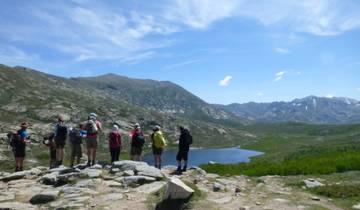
{"points": [[176, 189]]}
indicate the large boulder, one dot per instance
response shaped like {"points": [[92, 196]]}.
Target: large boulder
{"points": [[45, 196], [139, 168], [146, 170], [176, 189]]}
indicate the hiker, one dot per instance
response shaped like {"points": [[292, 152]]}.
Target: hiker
{"points": [[93, 128], [114, 143], [185, 141], [158, 145], [18, 143], [75, 137], [48, 141], [137, 142], [61, 132]]}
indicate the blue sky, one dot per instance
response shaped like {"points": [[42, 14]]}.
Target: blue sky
{"points": [[222, 51]]}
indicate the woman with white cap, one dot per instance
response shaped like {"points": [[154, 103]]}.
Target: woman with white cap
{"points": [[114, 143]]}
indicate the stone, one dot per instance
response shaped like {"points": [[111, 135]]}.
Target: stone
{"points": [[237, 190], [112, 184], [176, 189], [115, 170], [6, 196], [218, 187], [128, 173], [198, 170], [44, 197], [124, 165], [222, 200], [50, 179], [88, 183], [311, 183], [113, 197], [146, 170], [131, 180], [357, 206], [80, 199], [91, 173], [17, 206], [314, 198], [150, 188], [68, 177], [81, 166], [96, 166], [258, 203], [16, 175]]}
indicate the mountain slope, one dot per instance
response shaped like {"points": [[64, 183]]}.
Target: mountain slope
{"points": [[26, 94], [311, 109], [161, 96]]}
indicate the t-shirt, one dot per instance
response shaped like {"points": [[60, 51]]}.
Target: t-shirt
{"points": [[23, 134], [114, 140]]}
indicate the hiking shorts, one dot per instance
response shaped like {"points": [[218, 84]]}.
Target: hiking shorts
{"points": [[76, 150], [91, 142], [19, 152], [135, 151], [157, 151], [60, 144], [182, 155]]}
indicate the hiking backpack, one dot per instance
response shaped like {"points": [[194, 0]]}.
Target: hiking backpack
{"points": [[61, 132], [139, 140], [14, 138], [91, 128]]}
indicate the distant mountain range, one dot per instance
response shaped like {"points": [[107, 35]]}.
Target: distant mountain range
{"points": [[311, 109]]}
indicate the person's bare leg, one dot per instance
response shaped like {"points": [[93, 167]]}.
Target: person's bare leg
{"points": [[88, 152], [93, 156], [21, 162]]}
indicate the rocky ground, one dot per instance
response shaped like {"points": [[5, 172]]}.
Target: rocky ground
{"points": [[136, 185]]}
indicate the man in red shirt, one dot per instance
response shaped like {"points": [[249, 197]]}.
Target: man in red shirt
{"points": [[93, 128]]}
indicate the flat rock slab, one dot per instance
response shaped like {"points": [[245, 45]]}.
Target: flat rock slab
{"points": [[124, 165], [6, 196], [130, 180], [17, 206], [16, 176]]}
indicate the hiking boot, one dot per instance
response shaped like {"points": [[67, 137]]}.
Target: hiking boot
{"points": [[178, 170], [88, 164], [184, 169]]}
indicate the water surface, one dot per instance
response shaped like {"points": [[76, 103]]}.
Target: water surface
{"points": [[202, 156]]}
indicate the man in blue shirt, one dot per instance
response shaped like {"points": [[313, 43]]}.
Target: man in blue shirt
{"points": [[20, 139]]}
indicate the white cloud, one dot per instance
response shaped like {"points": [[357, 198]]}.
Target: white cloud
{"points": [[282, 50], [10, 55], [279, 75], [329, 96], [180, 64], [358, 89], [321, 17], [259, 94], [200, 13], [225, 81]]}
